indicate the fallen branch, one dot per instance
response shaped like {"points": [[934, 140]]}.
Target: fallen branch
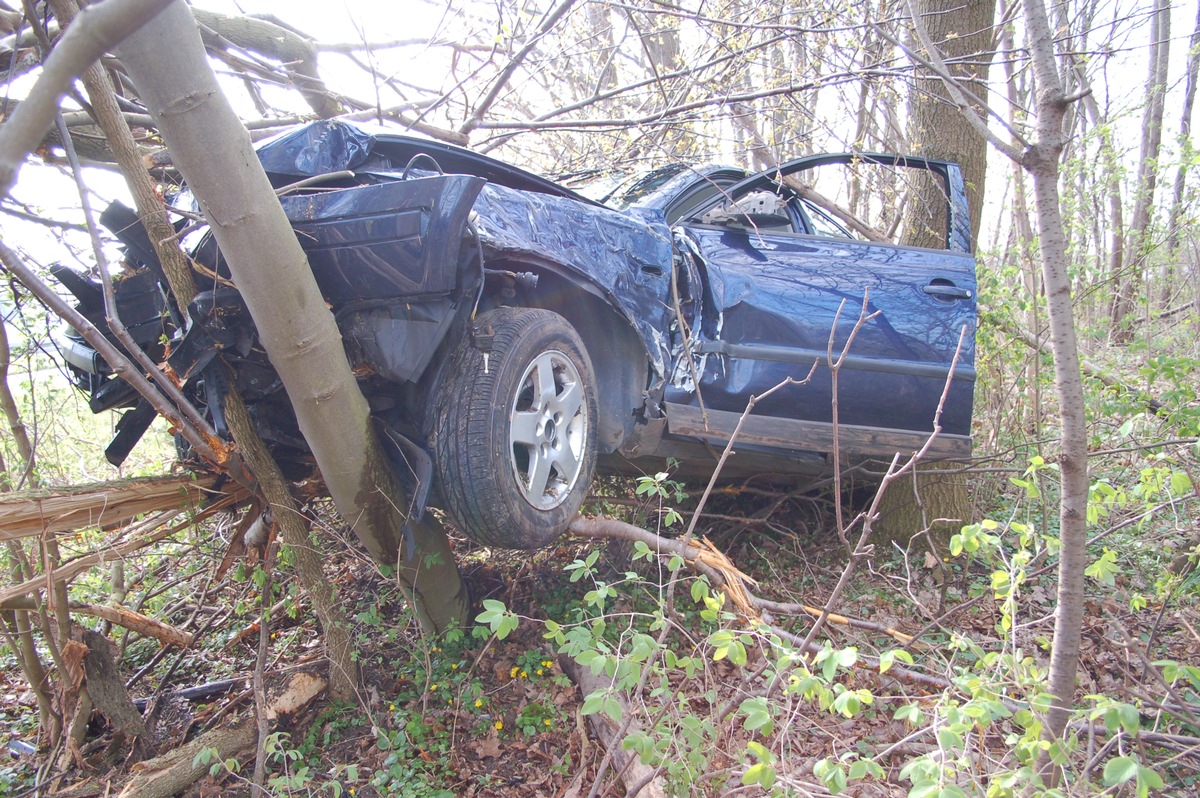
{"points": [[72, 568], [176, 770], [29, 513], [724, 575], [118, 616], [639, 779]]}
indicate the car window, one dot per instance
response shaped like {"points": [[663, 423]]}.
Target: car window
{"points": [[904, 205], [820, 223], [702, 194]]}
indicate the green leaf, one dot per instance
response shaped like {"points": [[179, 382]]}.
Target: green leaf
{"points": [[1147, 780], [759, 773], [888, 658], [950, 740], [1104, 569], [831, 774], [1119, 770], [758, 715], [909, 712], [593, 703], [1131, 719]]}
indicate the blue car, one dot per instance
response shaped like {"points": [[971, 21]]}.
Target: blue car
{"points": [[513, 335]]}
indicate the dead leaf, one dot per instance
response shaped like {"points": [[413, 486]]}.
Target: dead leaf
{"points": [[488, 748]]}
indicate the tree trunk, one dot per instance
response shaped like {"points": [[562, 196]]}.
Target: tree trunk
{"points": [[343, 672], [1137, 243], [13, 415], [1185, 146], [212, 150], [929, 501], [1041, 160], [963, 33]]}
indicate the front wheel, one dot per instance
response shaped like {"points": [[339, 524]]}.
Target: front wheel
{"points": [[514, 429]]}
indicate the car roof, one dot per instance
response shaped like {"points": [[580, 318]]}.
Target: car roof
{"points": [[333, 145]]}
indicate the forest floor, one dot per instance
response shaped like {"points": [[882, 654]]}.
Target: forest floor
{"points": [[477, 715]]}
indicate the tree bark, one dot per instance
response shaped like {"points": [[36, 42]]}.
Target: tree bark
{"points": [[1041, 160], [213, 152], [963, 34], [937, 129]]}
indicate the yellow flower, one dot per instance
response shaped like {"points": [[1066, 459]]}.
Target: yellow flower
{"points": [[352, 791], [478, 702], [499, 725], [546, 663], [433, 686], [391, 707], [454, 666], [524, 675], [513, 673], [546, 722], [539, 671]]}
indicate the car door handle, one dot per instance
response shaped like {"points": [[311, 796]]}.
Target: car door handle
{"points": [[945, 291]]}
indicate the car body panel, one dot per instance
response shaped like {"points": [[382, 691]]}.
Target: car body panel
{"points": [[409, 239], [780, 295]]}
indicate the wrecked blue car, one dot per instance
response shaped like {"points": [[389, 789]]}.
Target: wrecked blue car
{"points": [[513, 336]]}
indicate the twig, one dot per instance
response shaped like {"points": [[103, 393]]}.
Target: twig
{"points": [[260, 662], [97, 29]]}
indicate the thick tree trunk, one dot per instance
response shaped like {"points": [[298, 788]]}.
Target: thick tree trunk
{"points": [[963, 33], [938, 503], [166, 61]]}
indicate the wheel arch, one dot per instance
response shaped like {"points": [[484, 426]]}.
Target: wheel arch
{"points": [[618, 357]]}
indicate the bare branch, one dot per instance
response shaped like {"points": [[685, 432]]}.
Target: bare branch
{"points": [[548, 23], [98, 29]]}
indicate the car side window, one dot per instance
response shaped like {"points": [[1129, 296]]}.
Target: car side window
{"points": [[702, 195], [820, 223]]}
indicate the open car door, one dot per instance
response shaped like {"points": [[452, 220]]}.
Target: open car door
{"points": [[784, 263]]}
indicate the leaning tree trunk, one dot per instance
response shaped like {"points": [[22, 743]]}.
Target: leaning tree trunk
{"points": [[153, 216], [212, 149]]}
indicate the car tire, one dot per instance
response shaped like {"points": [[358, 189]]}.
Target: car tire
{"points": [[514, 429]]}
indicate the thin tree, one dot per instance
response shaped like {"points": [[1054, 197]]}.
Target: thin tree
{"points": [[1137, 241], [1040, 157]]}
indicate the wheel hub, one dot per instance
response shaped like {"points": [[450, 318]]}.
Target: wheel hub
{"points": [[548, 430]]}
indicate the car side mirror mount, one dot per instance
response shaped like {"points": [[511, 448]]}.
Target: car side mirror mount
{"points": [[756, 209]]}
